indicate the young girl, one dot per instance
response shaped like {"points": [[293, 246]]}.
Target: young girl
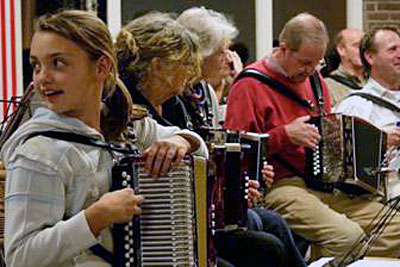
{"points": [[57, 198]]}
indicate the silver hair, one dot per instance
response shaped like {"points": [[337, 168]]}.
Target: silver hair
{"points": [[212, 28]]}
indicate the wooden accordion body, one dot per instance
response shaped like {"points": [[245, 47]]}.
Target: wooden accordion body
{"points": [[172, 230], [348, 156]]}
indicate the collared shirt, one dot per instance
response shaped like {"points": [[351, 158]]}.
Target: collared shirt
{"points": [[367, 110]]}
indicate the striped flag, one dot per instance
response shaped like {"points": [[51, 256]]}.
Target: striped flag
{"points": [[11, 76]]}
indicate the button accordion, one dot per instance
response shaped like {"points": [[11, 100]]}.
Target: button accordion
{"points": [[228, 184], [172, 229], [348, 157]]}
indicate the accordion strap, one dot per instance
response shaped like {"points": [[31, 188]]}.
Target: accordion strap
{"points": [[315, 83], [274, 84], [103, 253], [378, 101], [81, 139], [98, 249], [345, 81], [282, 89]]}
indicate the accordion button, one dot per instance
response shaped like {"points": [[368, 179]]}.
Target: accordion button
{"points": [[127, 264], [130, 224], [124, 183], [126, 238], [128, 178], [124, 174], [127, 246], [126, 228], [127, 255]]}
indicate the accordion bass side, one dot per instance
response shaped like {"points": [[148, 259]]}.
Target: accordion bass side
{"points": [[349, 154], [228, 187], [172, 229], [257, 155]]}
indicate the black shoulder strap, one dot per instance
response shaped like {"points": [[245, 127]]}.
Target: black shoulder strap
{"points": [[317, 91], [285, 91], [274, 84], [378, 101], [81, 139], [98, 249], [343, 80]]}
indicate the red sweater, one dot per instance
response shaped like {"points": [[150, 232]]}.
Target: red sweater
{"points": [[255, 107]]}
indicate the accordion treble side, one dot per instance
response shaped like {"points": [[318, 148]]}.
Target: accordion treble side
{"points": [[172, 230], [347, 157]]}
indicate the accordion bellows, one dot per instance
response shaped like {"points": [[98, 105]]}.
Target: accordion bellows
{"points": [[349, 156]]}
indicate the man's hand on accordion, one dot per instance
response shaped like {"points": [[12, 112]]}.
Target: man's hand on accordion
{"points": [[302, 133], [114, 207], [163, 154]]}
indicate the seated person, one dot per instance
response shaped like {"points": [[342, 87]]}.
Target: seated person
{"points": [[57, 195], [349, 76], [333, 221], [157, 58], [378, 101]]}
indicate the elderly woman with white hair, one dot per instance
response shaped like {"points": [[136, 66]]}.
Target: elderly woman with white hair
{"points": [[215, 32]]}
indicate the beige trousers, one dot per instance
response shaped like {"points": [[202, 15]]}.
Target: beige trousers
{"points": [[332, 221]]}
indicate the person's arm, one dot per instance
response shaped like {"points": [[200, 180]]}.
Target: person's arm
{"points": [[164, 146], [45, 193], [248, 109], [35, 232]]}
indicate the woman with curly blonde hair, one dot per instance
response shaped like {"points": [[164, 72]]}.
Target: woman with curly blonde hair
{"points": [[157, 59]]}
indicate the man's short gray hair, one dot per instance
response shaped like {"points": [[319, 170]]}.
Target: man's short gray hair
{"points": [[212, 28], [303, 26]]}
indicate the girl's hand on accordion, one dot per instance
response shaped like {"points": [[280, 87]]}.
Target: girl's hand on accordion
{"points": [[163, 154], [302, 133], [113, 207]]}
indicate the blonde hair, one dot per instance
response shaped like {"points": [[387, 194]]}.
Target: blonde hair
{"points": [[92, 35], [154, 35], [303, 26]]}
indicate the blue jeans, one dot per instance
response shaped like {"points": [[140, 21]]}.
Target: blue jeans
{"points": [[250, 247], [271, 222]]}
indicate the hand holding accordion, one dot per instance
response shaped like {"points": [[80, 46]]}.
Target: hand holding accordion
{"points": [[350, 151]]}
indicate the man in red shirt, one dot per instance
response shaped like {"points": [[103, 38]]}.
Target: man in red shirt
{"points": [[331, 221]]}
